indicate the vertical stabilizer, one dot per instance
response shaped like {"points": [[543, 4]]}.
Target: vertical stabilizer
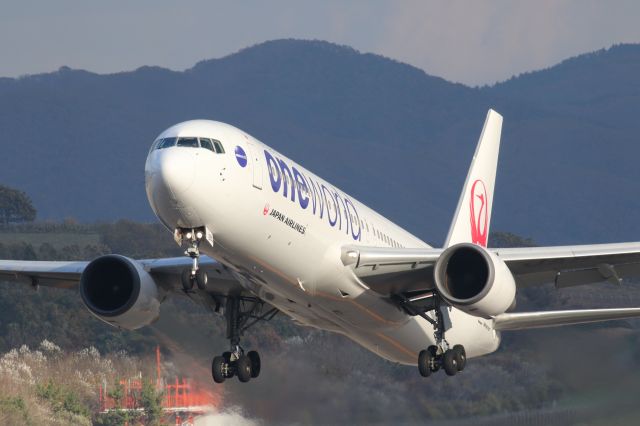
{"points": [[473, 215]]}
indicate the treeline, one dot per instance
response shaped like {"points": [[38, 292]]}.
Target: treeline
{"points": [[138, 240], [46, 251], [15, 206]]}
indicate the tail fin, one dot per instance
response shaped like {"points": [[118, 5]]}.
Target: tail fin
{"points": [[473, 214]]}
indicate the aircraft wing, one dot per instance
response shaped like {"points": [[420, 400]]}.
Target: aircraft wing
{"points": [[392, 271], [49, 274], [166, 272], [544, 319], [572, 265], [408, 272]]}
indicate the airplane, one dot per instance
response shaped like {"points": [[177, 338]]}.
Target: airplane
{"points": [[263, 236]]}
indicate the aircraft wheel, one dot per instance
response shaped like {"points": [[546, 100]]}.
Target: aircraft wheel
{"points": [[450, 362], [424, 363], [255, 363], [201, 279], [187, 280], [217, 369], [461, 356], [434, 354], [243, 368], [227, 360]]}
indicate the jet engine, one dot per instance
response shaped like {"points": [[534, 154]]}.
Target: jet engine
{"points": [[120, 292], [475, 280]]}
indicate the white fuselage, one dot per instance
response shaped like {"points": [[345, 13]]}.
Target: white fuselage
{"points": [[280, 229]]}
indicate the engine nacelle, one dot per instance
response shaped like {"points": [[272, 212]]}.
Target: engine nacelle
{"points": [[475, 280], [119, 291]]}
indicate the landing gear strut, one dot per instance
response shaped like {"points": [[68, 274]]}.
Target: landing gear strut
{"points": [[238, 311], [451, 359], [193, 275]]}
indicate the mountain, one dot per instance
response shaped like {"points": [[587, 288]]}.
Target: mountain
{"points": [[387, 133]]}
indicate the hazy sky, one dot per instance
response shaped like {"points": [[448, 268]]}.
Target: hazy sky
{"points": [[473, 42]]}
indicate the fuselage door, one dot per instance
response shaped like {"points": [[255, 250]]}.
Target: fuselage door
{"points": [[256, 164]]}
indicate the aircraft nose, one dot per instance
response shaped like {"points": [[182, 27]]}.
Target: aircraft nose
{"points": [[176, 168]]}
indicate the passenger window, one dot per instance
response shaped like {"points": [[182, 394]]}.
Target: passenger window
{"points": [[218, 145], [188, 142], [206, 143], [166, 143]]}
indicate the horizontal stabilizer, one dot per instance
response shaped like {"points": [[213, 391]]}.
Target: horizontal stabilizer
{"points": [[526, 320]]}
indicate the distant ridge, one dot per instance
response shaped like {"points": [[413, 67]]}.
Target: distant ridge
{"points": [[391, 135]]}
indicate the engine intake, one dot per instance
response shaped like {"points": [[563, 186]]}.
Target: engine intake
{"points": [[475, 280], [119, 291]]}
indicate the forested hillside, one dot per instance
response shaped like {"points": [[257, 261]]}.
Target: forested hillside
{"points": [[389, 134]]}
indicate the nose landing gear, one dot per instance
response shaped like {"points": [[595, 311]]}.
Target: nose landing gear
{"points": [[193, 275]]}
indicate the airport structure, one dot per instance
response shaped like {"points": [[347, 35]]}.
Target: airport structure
{"points": [[183, 400]]}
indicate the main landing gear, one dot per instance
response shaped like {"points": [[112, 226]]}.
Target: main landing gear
{"points": [[433, 358], [236, 362], [451, 359], [193, 275]]}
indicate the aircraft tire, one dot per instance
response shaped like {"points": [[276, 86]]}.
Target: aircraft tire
{"points": [[434, 353], [187, 282], [243, 368], [254, 357], [424, 363], [227, 359], [201, 279], [461, 356], [450, 362], [217, 369]]}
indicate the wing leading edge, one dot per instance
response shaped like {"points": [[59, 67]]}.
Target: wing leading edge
{"points": [[528, 320]]}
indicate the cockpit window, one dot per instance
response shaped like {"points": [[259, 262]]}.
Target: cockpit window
{"points": [[218, 145], [206, 143], [188, 142], [166, 143], [155, 144], [212, 145]]}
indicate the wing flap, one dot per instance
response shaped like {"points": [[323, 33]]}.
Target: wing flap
{"points": [[529, 320], [572, 265]]}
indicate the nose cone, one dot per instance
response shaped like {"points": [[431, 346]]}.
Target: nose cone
{"points": [[169, 176], [176, 169], [171, 172]]}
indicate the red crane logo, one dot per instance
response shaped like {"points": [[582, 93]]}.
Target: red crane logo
{"points": [[479, 213]]}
